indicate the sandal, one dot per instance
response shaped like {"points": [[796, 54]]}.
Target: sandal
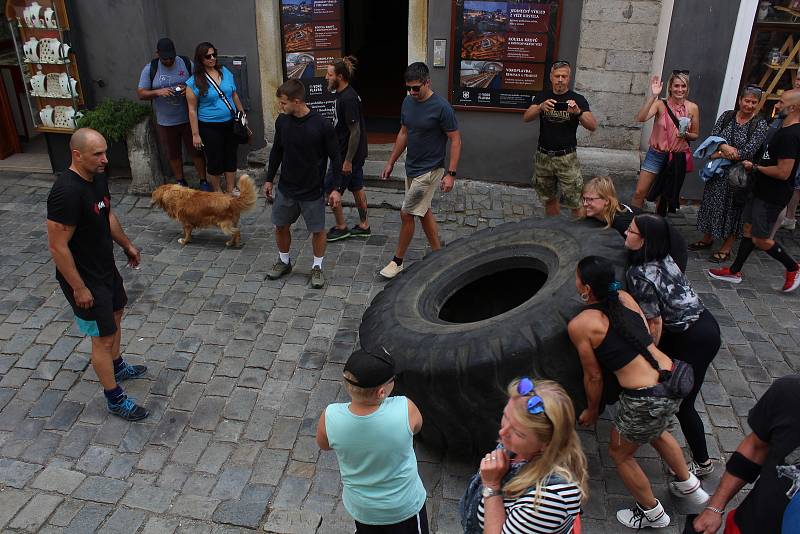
{"points": [[720, 257], [700, 245]]}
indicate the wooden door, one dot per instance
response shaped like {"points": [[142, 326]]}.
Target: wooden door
{"points": [[9, 140]]}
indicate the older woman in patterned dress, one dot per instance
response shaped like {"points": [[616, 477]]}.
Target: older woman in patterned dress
{"points": [[720, 215]]}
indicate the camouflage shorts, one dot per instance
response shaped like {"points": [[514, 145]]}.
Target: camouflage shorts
{"points": [[554, 171], [643, 419]]}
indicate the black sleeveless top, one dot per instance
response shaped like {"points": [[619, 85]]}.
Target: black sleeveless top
{"points": [[614, 352]]}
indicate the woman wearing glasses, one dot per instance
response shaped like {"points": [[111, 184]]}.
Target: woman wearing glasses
{"points": [[536, 478], [212, 98], [679, 323], [668, 140], [611, 334], [600, 202], [720, 215]]}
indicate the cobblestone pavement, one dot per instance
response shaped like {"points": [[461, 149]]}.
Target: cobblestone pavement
{"points": [[240, 368]]}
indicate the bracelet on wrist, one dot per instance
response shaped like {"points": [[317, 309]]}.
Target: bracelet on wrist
{"points": [[715, 510]]}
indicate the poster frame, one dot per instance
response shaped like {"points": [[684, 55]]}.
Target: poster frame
{"points": [[455, 60]]}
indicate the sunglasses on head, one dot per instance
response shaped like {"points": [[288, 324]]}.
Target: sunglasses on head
{"points": [[212, 54], [753, 89], [535, 403], [680, 71], [561, 63], [414, 88]]}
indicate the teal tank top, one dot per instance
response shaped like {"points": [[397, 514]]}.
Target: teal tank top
{"points": [[377, 462]]}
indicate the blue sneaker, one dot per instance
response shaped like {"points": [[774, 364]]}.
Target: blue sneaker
{"points": [[183, 182], [128, 409], [205, 186], [129, 371]]}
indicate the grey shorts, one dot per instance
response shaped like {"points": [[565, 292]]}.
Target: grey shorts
{"points": [[643, 419], [761, 216], [286, 210]]}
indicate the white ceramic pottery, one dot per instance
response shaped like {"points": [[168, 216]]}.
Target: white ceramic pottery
{"points": [[46, 114]]}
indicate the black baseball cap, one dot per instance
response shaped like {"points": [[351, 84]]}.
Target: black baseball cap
{"points": [[165, 48], [370, 370]]}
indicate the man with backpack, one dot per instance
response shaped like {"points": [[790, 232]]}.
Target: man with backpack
{"points": [[163, 81]]}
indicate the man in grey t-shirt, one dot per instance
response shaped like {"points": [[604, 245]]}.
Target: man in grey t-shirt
{"points": [[164, 82], [427, 121]]}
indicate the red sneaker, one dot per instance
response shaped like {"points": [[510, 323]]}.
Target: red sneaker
{"points": [[792, 280], [725, 274]]}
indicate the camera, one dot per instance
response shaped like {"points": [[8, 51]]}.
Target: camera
{"points": [[560, 106], [178, 89]]}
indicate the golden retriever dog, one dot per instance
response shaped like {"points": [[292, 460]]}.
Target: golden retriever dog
{"points": [[199, 209]]}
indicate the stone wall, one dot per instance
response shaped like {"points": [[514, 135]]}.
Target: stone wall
{"points": [[614, 63]]}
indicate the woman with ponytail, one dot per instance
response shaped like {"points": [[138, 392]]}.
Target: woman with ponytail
{"points": [[681, 326], [611, 333]]}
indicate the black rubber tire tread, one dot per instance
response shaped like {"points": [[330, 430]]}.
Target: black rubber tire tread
{"points": [[457, 373]]}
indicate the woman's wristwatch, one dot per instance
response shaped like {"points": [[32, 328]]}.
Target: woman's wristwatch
{"points": [[490, 492]]}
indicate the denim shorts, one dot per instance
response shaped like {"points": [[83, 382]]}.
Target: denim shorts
{"points": [[655, 160]]}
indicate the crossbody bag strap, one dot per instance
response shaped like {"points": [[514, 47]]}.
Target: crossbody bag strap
{"points": [[669, 110], [221, 94]]}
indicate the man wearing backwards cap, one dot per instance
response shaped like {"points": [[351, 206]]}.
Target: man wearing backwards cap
{"points": [[372, 436]]}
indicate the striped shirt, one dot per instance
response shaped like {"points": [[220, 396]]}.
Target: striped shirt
{"points": [[558, 506]]}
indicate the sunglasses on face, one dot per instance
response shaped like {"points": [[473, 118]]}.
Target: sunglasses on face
{"points": [[680, 71], [535, 403], [414, 88], [209, 56]]}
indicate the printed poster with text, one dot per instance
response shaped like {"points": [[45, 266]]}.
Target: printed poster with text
{"points": [[312, 39], [503, 51]]}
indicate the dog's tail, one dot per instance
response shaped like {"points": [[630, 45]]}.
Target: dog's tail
{"points": [[247, 194]]}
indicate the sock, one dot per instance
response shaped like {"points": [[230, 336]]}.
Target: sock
{"points": [[114, 396], [745, 248], [317, 262], [119, 364], [284, 257], [779, 253], [398, 261]]}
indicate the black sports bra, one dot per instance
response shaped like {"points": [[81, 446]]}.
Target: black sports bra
{"points": [[614, 352]]}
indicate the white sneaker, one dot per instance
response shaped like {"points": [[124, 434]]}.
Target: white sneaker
{"points": [[690, 489], [789, 224], [391, 270], [639, 518]]}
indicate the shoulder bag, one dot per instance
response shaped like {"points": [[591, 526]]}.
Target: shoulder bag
{"points": [[240, 129]]}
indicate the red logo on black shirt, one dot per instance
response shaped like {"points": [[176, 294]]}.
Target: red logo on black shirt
{"points": [[105, 203]]}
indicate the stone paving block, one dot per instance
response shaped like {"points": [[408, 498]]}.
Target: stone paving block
{"points": [[199, 483], [58, 479], [101, 489], [220, 386], [138, 435], [191, 447], [16, 474], [240, 404], [173, 476], [214, 457], [64, 513], [170, 429], [166, 382], [47, 404], [112, 431], [269, 467], [161, 525], [194, 506], [11, 503], [94, 460], [65, 416], [152, 459], [284, 433], [76, 441], [121, 466], [124, 521], [231, 483], [291, 491], [89, 518], [248, 509], [36, 512], [289, 521], [151, 498], [207, 413], [200, 372]]}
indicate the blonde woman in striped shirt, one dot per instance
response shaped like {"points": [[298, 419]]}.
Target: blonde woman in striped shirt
{"points": [[539, 443]]}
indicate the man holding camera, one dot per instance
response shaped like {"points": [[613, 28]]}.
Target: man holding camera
{"points": [[163, 81], [561, 110]]}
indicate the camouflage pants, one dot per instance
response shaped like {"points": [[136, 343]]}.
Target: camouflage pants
{"points": [[643, 419], [554, 171]]}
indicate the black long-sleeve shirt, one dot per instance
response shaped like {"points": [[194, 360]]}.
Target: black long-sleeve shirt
{"points": [[302, 147]]}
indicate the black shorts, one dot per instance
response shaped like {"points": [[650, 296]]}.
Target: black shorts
{"points": [[98, 321], [352, 182], [416, 524], [219, 146], [762, 216]]}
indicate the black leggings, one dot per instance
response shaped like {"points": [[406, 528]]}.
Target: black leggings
{"points": [[219, 146], [696, 346]]}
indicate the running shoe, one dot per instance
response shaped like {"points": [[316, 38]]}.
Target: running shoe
{"points": [[129, 372], [701, 470], [335, 234], [205, 186], [789, 224], [725, 274], [639, 518], [391, 270], [689, 489], [317, 278], [127, 409], [792, 280], [279, 269], [357, 231]]}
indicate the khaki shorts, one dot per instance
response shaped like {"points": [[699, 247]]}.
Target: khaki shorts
{"points": [[554, 171], [420, 191]]}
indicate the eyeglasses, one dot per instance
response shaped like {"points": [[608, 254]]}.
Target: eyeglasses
{"points": [[589, 200], [634, 232], [561, 63], [680, 71], [414, 88], [209, 56], [535, 403]]}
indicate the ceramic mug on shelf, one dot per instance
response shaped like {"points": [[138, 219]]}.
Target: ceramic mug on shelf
{"points": [[37, 84], [49, 18], [63, 51], [31, 49], [64, 117], [34, 10], [46, 114]]}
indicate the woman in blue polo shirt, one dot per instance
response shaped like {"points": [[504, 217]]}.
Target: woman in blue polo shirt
{"points": [[210, 117]]}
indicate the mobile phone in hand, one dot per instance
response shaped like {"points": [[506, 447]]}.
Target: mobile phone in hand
{"points": [[688, 527], [560, 106]]}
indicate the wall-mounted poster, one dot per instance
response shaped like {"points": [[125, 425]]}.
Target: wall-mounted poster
{"points": [[502, 51], [312, 39]]}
